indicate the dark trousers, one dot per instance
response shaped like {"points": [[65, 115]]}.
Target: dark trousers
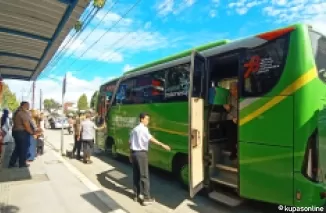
{"points": [[77, 147], [232, 134], [40, 146], [88, 146], [140, 173], [21, 148]]}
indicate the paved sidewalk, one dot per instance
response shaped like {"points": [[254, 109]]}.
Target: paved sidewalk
{"points": [[49, 185]]}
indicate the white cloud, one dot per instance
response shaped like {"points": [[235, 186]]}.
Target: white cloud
{"points": [[243, 6], [109, 18], [52, 88], [147, 25], [213, 8], [212, 13], [283, 11], [166, 7], [319, 22], [127, 68], [112, 45], [312, 11]]}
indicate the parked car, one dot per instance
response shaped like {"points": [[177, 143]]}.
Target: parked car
{"points": [[58, 122]]}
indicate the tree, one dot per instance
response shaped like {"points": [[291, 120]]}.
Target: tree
{"points": [[93, 103], [51, 104], [99, 3], [9, 99], [82, 102]]}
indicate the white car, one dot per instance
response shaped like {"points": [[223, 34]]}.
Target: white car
{"points": [[58, 123]]}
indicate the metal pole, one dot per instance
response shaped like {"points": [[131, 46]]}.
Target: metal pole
{"points": [[62, 107], [33, 96], [41, 100], [62, 133]]}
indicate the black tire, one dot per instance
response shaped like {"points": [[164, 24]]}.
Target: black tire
{"points": [[181, 164], [110, 148]]}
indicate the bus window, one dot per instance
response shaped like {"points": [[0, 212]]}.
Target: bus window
{"points": [[158, 86], [318, 43], [177, 83], [126, 93], [141, 89], [263, 66]]}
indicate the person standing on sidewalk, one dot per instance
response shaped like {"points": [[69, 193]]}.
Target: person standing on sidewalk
{"points": [[5, 126], [87, 136], [139, 141], [77, 142], [21, 132], [31, 153]]}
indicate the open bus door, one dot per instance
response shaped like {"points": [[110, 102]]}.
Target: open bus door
{"points": [[196, 121], [100, 136]]}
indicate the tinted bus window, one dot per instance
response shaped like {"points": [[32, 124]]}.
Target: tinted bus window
{"points": [[262, 67], [177, 83], [104, 98], [126, 93], [318, 43], [169, 85], [157, 91]]}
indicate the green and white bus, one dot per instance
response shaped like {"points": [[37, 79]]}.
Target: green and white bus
{"points": [[281, 127]]}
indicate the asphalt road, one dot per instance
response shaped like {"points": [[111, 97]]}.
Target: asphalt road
{"points": [[115, 179]]}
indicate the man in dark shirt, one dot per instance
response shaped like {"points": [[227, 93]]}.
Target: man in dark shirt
{"points": [[21, 131]]}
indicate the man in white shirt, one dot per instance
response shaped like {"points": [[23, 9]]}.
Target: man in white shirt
{"points": [[87, 136], [139, 141]]}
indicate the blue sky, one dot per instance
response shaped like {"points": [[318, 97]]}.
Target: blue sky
{"points": [[159, 28]]}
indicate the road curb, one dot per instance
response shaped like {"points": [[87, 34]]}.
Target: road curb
{"points": [[107, 200]]}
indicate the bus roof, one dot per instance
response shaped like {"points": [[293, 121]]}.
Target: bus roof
{"points": [[204, 48], [179, 55], [110, 81]]}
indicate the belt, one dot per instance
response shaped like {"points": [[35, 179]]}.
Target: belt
{"points": [[133, 151]]}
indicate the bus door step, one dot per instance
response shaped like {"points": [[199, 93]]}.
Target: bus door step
{"points": [[230, 200]]}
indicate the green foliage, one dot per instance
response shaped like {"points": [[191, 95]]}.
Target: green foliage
{"points": [[78, 26], [93, 103], [82, 102], [9, 99], [99, 3], [51, 104]]}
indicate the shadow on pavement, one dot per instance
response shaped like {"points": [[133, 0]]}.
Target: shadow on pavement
{"points": [[12, 174], [164, 188], [8, 208], [101, 205], [167, 190]]}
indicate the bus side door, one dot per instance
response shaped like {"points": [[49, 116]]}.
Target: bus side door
{"points": [[196, 123]]}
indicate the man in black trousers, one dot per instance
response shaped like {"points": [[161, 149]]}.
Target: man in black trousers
{"points": [[139, 140], [77, 143]]}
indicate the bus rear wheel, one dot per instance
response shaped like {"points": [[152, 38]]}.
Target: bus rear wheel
{"points": [[111, 148], [182, 171]]}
